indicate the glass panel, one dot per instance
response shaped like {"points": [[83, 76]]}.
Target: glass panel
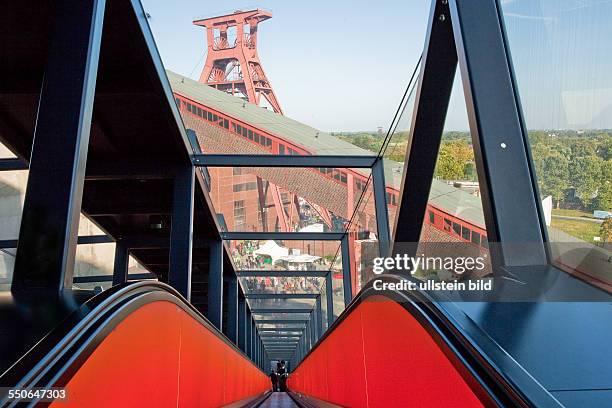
{"points": [[12, 194], [363, 240], [394, 150], [283, 254], [5, 153], [561, 56], [454, 224], [94, 260], [285, 199]]}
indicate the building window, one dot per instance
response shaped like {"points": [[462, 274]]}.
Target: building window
{"points": [[475, 237], [447, 225], [239, 215], [238, 129], [465, 233], [244, 187], [236, 171], [432, 217], [281, 149], [457, 228]]}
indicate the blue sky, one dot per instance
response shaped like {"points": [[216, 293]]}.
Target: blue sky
{"points": [[343, 65], [335, 65]]}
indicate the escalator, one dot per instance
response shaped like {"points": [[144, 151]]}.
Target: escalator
{"points": [[398, 348], [142, 344], [138, 344]]}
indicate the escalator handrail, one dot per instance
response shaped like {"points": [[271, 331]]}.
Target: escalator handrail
{"points": [[467, 342], [59, 354]]}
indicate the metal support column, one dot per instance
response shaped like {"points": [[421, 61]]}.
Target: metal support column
{"points": [[215, 284], [181, 235], [510, 198], [319, 317], [122, 259], [313, 329], [232, 309], [346, 270], [329, 293], [50, 220], [248, 335], [380, 202], [242, 318]]}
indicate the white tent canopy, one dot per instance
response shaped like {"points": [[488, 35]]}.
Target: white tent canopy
{"points": [[273, 250]]}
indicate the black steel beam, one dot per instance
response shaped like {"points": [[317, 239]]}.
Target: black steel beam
{"points": [[280, 310], [232, 309], [346, 271], [510, 198], [215, 285], [329, 299], [109, 278], [281, 295], [242, 315], [13, 164], [431, 104], [50, 219], [282, 321], [181, 235], [380, 203], [288, 236], [279, 274], [122, 260], [253, 160]]}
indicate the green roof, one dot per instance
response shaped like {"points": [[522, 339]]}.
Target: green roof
{"points": [[453, 200], [314, 140]]}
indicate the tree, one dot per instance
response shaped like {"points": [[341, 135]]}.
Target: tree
{"points": [[554, 176], [586, 177], [605, 231], [453, 160]]}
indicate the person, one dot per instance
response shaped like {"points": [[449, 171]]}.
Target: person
{"points": [[274, 379], [282, 375]]}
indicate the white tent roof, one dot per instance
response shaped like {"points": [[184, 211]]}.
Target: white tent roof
{"points": [[304, 258], [272, 249], [312, 228]]}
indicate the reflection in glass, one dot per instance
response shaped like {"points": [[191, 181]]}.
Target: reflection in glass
{"points": [[283, 254], [562, 61]]}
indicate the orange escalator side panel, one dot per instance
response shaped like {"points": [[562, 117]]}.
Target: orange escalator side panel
{"points": [[159, 356], [381, 356]]}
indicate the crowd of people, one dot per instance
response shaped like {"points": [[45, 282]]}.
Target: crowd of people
{"points": [[283, 284]]}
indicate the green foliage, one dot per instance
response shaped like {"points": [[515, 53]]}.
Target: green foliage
{"points": [[454, 160], [605, 231], [569, 165]]}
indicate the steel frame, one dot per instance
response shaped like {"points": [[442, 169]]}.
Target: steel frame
{"points": [[280, 274], [281, 295], [474, 38], [288, 161], [57, 166]]}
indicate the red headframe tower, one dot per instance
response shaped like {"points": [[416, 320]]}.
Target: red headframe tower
{"points": [[232, 64]]}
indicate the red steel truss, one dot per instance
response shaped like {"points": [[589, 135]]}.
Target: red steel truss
{"points": [[232, 64]]}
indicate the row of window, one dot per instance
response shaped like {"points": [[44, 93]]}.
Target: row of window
{"points": [[225, 123], [265, 141], [459, 230], [244, 186]]}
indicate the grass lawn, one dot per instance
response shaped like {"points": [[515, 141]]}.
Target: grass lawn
{"points": [[572, 213], [584, 230]]}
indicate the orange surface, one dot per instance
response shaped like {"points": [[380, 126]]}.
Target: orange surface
{"points": [[159, 356], [380, 356]]}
